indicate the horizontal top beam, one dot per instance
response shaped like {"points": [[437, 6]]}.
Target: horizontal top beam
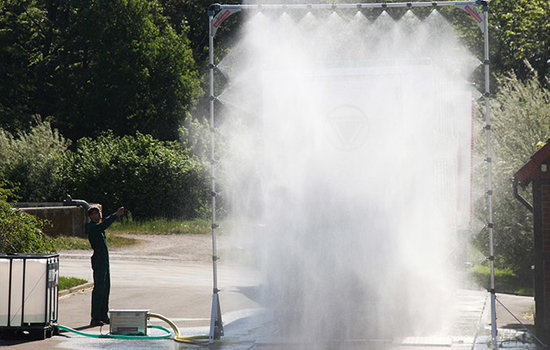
{"points": [[218, 13], [237, 7]]}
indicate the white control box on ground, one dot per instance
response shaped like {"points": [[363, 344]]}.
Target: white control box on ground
{"points": [[128, 322]]}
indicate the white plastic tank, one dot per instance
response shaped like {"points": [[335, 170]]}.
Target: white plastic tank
{"points": [[35, 291], [4, 291], [13, 299], [28, 289]]}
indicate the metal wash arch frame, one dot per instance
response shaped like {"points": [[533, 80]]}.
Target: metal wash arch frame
{"points": [[218, 13]]}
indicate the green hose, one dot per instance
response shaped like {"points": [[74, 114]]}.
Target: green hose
{"points": [[164, 336], [200, 339]]}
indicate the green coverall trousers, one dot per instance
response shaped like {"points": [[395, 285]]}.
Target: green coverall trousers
{"points": [[100, 293]]}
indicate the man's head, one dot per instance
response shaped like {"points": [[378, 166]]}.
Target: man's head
{"points": [[94, 214]]}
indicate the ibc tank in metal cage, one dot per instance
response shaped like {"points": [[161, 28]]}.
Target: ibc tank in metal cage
{"points": [[28, 295]]}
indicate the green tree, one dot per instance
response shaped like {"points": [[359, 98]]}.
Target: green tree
{"points": [[92, 66], [192, 14], [521, 118], [23, 26], [520, 32], [129, 70]]}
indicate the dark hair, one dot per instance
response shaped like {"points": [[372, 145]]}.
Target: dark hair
{"points": [[92, 209]]}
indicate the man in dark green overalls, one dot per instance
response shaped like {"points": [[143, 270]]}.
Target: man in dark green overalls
{"points": [[100, 264]]}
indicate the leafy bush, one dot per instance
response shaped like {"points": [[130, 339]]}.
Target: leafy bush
{"points": [[34, 160], [8, 191], [151, 178], [21, 232], [506, 281], [521, 119], [194, 135]]}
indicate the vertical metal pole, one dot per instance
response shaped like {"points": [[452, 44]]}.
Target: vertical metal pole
{"points": [[489, 174], [9, 292], [216, 326], [48, 294], [56, 285], [23, 291]]}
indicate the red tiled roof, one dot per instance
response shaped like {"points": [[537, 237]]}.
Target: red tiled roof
{"points": [[528, 171]]}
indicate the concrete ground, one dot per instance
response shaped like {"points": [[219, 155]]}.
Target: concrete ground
{"points": [[180, 289]]}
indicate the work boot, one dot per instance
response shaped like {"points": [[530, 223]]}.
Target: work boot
{"points": [[95, 323]]}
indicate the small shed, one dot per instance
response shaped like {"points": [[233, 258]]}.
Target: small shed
{"points": [[62, 220], [67, 218], [536, 172]]}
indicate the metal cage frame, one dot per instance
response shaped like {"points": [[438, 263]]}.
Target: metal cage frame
{"points": [[17, 299], [218, 13]]}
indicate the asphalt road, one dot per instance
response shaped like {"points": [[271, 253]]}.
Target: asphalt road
{"points": [[181, 290]]}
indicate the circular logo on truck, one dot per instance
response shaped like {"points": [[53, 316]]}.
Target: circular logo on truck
{"points": [[348, 127]]}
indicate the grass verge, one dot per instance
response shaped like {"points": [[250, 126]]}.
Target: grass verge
{"points": [[69, 282], [77, 243], [158, 227], [162, 226]]}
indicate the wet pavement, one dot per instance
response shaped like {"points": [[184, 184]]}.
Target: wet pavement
{"points": [[182, 292]]}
